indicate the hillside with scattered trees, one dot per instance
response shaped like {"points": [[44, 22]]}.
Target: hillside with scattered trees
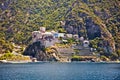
{"points": [[95, 20]]}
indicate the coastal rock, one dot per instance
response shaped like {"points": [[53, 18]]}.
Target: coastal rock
{"points": [[39, 51]]}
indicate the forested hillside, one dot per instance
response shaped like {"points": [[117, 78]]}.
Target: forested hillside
{"points": [[96, 20]]}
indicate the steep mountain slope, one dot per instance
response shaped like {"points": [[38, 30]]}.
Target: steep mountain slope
{"points": [[18, 18], [97, 20]]}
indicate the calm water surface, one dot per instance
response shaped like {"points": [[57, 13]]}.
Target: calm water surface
{"points": [[60, 71]]}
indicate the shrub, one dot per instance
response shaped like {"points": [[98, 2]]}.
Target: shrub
{"points": [[12, 57], [6, 56], [76, 58], [104, 58]]}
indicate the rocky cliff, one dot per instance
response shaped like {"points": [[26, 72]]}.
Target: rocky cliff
{"points": [[38, 50]]}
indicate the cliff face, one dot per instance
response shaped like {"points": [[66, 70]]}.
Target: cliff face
{"points": [[89, 18], [39, 51], [92, 19]]}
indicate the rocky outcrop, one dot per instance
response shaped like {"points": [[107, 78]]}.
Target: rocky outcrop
{"points": [[39, 51]]}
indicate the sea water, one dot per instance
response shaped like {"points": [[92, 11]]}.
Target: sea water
{"points": [[60, 71]]}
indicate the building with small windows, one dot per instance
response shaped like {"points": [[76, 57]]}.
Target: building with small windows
{"points": [[36, 36], [47, 38]]}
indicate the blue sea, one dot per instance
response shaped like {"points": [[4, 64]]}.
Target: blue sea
{"points": [[60, 71]]}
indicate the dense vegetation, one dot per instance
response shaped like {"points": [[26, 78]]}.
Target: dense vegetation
{"points": [[13, 57], [96, 20]]}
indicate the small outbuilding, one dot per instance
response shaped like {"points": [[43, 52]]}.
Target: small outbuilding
{"points": [[69, 35], [61, 35], [81, 38], [75, 36], [86, 43]]}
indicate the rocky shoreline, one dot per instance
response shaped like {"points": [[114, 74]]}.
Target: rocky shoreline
{"points": [[5, 61], [15, 62]]}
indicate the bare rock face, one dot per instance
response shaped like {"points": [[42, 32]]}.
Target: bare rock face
{"points": [[106, 35], [89, 24], [38, 51]]}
